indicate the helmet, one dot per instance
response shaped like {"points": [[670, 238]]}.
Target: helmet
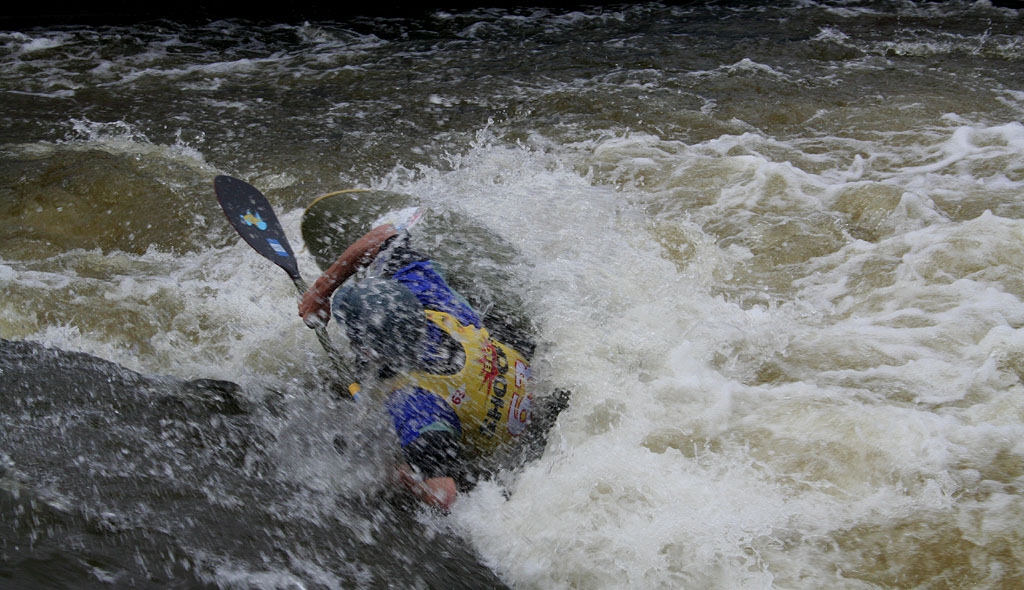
{"points": [[382, 318]]}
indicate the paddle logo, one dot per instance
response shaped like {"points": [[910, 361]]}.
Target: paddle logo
{"points": [[277, 247], [251, 218]]}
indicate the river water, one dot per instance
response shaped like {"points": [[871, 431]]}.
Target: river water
{"points": [[776, 252]]}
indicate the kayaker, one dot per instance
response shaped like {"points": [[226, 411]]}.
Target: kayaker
{"points": [[452, 391]]}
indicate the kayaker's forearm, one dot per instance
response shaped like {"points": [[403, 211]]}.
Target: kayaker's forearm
{"points": [[314, 303], [356, 256]]}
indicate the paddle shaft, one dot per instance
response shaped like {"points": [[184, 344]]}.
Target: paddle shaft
{"points": [[322, 335]]}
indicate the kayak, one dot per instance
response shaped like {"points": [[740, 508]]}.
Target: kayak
{"points": [[473, 260]]}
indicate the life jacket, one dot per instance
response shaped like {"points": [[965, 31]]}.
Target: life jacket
{"points": [[488, 394]]}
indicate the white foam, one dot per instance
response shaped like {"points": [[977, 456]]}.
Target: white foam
{"points": [[674, 466]]}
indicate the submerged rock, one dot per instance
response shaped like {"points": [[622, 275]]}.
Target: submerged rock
{"points": [[113, 478]]}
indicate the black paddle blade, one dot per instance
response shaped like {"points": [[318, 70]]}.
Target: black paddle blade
{"points": [[251, 215]]}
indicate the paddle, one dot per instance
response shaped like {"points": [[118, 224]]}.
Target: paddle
{"points": [[253, 218]]}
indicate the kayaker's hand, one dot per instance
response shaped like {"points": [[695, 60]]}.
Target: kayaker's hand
{"points": [[437, 492], [315, 306]]}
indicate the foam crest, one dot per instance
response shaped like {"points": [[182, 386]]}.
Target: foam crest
{"points": [[704, 431]]}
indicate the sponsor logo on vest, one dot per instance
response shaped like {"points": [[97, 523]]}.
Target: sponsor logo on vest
{"points": [[495, 364]]}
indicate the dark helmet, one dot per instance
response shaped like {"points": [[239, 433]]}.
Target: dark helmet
{"points": [[382, 317]]}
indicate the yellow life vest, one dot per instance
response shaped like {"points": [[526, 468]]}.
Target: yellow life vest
{"points": [[488, 394]]}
